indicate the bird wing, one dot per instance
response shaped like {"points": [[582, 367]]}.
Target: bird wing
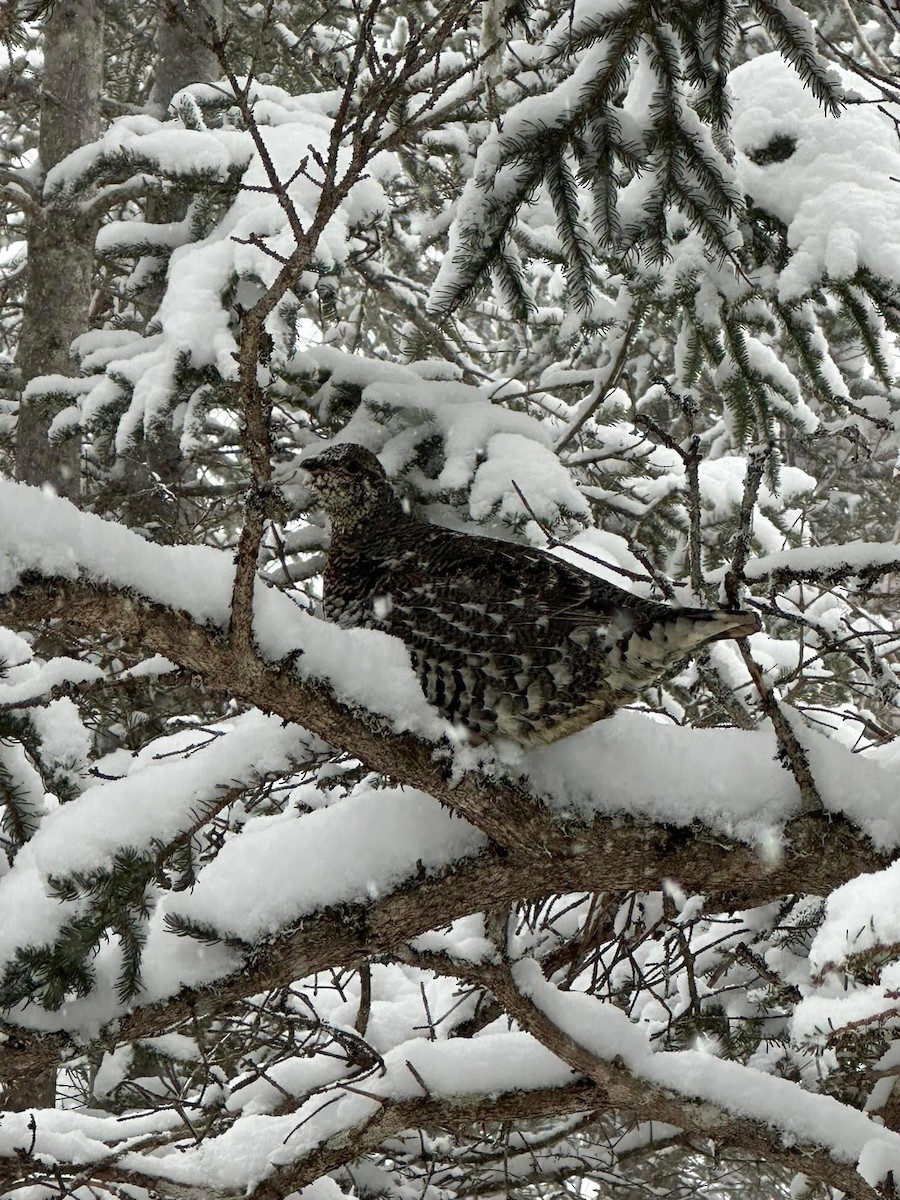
{"points": [[532, 585], [487, 595]]}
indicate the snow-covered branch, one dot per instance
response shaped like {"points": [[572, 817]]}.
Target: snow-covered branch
{"points": [[549, 823], [92, 575], [832, 564], [268, 923], [692, 1090], [381, 1108]]}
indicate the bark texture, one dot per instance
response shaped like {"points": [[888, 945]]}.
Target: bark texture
{"points": [[57, 299], [60, 240], [149, 492], [183, 54]]}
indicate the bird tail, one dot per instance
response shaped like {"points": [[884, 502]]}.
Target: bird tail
{"points": [[715, 624], [648, 653]]}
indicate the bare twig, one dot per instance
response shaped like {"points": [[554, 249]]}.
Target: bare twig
{"points": [[553, 543], [691, 457], [756, 465], [874, 58], [365, 999], [613, 374], [795, 757]]}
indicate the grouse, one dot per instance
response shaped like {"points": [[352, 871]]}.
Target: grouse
{"points": [[507, 641]]}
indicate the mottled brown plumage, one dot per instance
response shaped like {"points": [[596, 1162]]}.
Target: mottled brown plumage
{"points": [[507, 641]]}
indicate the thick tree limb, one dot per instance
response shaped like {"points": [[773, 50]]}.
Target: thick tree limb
{"points": [[530, 855], [627, 1092], [614, 854], [392, 1117]]}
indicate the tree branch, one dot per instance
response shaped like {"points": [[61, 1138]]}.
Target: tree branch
{"points": [[530, 854], [392, 1117], [650, 1101]]}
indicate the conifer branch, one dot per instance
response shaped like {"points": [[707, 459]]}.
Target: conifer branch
{"points": [[626, 1089]]}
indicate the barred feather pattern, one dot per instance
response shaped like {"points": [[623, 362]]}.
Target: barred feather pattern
{"points": [[507, 641]]}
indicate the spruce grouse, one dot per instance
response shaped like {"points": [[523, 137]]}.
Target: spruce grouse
{"points": [[507, 641]]}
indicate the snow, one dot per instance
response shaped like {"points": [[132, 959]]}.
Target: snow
{"points": [[546, 484], [722, 481], [485, 445], [607, 1032], [729, 779], [364, 666], [836, 191], [158, 799], [830, 1009], [155, 802], [356, 851], [257, 1144], [35, 680], [846, 557], [113, 1069], [342, 844], [174, 1046], [859, 916], [193, 579], [143, 141], [194, 324], [662, 772], [502, 177], [60, 1144], [65, 743], [464, 940], [365, 846], [77, 1137], [140, 237], [23, 776]]}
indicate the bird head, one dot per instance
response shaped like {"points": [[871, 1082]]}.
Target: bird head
{"points": [[349, 482]]}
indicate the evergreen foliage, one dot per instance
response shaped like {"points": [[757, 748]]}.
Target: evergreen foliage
{"points": [[621, 277]]}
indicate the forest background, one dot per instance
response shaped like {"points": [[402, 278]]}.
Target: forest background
{"points": [[616, 278]]}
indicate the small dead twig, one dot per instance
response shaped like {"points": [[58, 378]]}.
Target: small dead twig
{"points": [[794, 756], [756, 465], [418, 1078], [613, 374], [365, 999], [691, 457], [553, 543]]}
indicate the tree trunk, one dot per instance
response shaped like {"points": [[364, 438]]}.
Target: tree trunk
{"points": [[154, 467], [183, 55], [58, 295], [60, 242]]}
